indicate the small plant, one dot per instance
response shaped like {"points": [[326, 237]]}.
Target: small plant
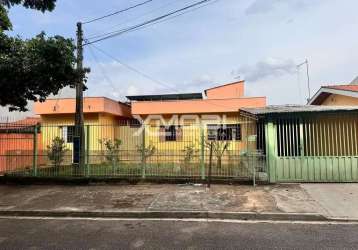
{"points": [[111, 150], [146, 152], [219, 148], [56, 151], [189, 152]]}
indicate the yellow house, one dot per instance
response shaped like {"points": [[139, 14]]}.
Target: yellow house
{"points": [[336, 95], [175, 126], [102, 117], [176, 122]]}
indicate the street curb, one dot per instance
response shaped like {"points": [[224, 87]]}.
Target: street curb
{"points": [[173, 215]]}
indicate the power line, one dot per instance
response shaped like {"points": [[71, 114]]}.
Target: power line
{"points": [[119, 32], [117, 12], [160, 21], [152, 21], [133, 69], [172, 17], [146, 76], [103, 71], [131, 19]]}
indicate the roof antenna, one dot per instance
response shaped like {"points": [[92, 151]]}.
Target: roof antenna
{"points": [[355, 81], [308, 78]]}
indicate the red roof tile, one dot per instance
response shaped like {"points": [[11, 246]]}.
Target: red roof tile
{"points": [[28, 121], [353, 88]]}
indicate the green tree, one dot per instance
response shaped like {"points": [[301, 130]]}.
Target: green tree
{"points": [[5, 5], [35, 68], [56, 151]]}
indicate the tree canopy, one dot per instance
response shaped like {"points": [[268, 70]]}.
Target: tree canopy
{"points": [[35, 68], [41, 5]]}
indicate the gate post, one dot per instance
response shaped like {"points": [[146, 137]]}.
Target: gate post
{"points": [[143, 153], [35, 153], [202, 152], [270, 150], [87, 150]]}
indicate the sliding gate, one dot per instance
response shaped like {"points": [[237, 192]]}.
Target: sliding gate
{"points": [[313, 148]]}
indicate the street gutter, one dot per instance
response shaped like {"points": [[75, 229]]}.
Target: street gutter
{"points": [[248, 216]]}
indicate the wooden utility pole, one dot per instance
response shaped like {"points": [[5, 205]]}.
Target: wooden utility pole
{"points": [[79, 133]]}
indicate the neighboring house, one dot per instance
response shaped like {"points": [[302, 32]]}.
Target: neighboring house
{"points": [[309, 143], [17, 144], [336, 95], [102, 117], [177, 121]]}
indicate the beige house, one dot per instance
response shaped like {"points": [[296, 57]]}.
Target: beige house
{"points": [[336, 95]]}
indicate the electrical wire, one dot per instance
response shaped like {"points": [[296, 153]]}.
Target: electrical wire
{"points": [[148, 77], [133, 69], [117, 12], [104, 72], [122, 31], [160, 21], [131, 19], [172, 17]]}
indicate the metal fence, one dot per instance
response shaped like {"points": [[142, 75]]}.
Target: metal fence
{"points": [[134, 150], [314, 148]]}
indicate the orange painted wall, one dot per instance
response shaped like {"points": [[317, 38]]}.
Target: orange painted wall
{"points": [[20, 146], [196, 106], [90, 105], [232, 90]]}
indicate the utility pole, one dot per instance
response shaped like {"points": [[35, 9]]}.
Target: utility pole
{"points": [[79, 133], [308, 78]]}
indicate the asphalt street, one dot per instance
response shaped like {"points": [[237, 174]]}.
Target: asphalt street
{"points": [[138, 234]]}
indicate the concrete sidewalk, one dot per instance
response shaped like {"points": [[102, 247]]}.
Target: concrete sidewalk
{"points": [[277, 199], [336, 200]]}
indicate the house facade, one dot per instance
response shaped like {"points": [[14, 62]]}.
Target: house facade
{"points": [[102, 117], [336, 95], [178, 121], [164, 133]]}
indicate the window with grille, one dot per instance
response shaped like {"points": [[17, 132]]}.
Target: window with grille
{"points": [[224, 132], [68, 133], [170, 133]]}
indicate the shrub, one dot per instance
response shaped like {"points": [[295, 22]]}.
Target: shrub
{"points": [[56, 151], [189, 154], [146, 152], [219, 148], [112, 148]]}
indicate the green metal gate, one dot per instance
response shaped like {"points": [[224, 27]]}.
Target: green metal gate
{"points": [[313, 147]]}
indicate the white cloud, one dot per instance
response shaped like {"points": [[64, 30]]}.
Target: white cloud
{"points": [[16, 115], [266, 6], [270, 67], [198, 50], [198, 83], [261, 6], [132, 90]]}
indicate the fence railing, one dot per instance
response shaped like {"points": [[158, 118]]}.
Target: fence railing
{"points": [[138, 151]]}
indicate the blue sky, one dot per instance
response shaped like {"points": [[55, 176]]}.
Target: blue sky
{"points": [[259, 40]]}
